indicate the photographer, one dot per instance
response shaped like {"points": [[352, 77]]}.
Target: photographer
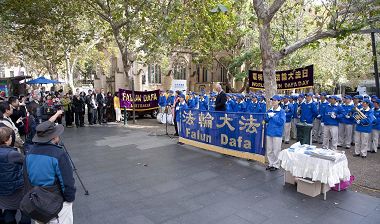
{"points": [[49, 108], [18, 112], [57, 175]]}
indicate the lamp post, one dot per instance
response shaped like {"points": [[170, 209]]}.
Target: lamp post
{"points": [[132, 57]]}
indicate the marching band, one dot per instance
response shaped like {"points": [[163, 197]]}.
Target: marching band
{"points": [[337, 122]]}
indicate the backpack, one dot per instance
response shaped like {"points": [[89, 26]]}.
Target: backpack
{"points": [[41, 203]]}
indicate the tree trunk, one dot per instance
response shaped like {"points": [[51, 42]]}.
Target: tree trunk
{"points": [[269, 60], [126, 65], [69, 71]]}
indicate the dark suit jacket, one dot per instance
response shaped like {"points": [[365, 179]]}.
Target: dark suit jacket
{"points": [[101, 100], [220, 102]]}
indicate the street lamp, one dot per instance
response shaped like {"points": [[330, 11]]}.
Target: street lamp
{"points": [[132, 57]]}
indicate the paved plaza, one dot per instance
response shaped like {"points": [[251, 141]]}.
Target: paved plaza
{"points": [[136, 177]]}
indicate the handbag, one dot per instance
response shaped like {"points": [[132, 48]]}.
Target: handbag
{"points": [[41, 203]]}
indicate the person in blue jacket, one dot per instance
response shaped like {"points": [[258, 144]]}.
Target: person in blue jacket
{"points": [[180, 106], [203, 103], [322, 104], [240, 106], [162, 101], [296, 113], [211, 104], [331, 114], [254, 106], [262, 102], [49, 165], [230, 104], [288, 108], [191, 101], [376, 126], [363, 130], [170, 99], [275, 122], [308, 110], [346, 123]]}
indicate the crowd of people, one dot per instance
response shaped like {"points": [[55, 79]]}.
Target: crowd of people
{"points": [[337, 122]]}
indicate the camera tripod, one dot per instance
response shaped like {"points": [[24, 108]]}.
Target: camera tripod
{"points": [[75, 169]]}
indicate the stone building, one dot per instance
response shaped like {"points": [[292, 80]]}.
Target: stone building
{"points": [[152, 76]]}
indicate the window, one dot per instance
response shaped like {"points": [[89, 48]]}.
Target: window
{"points": [[12, 73], [223, 74], [21, 73], [198, 73], [179, 71], [154, 73], [205, 74]]}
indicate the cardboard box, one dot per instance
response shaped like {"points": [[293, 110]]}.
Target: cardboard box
{"points": [[309, 187], [289, 178]]}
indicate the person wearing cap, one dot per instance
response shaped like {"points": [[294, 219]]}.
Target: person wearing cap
{"points": [[241, 105], [288, 108], [296, 105], [376, 127], [170, 99], [262, 102], [346, 123], [180, 106], [203, 104], [363, 130], [162, 101], [48, 165], [230, 104], [318, 124], [330, 117], [191, 102], [357, 100], [254, 106], [308, 110], [275, 122], [211, 104]]}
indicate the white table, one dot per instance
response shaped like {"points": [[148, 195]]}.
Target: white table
{"points": [[317, 169]]}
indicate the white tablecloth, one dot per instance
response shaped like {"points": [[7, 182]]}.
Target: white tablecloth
{"points": [[305, 166]]}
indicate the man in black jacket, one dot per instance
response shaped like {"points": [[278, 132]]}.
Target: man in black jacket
{"points": [[221, 99], [101, 99]]}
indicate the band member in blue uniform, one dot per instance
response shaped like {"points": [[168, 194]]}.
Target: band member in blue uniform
{"points": [[331, 115], [363, 130], [308, 110], [241, 106], [376, 127], [203, 103], [275, 120], [288, 108], [346, 123], [254, 106], [162, 101]]}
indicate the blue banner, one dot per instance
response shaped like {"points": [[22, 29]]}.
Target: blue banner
{"points": [[240, 132]]}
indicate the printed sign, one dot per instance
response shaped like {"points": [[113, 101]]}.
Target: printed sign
{"points": [[237, 134], [144, 100], [289, 79]]}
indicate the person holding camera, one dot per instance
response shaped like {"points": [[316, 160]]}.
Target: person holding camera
{"points": [[6, 111], [48, 166]]}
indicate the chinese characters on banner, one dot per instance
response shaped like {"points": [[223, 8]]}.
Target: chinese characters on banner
{"points": [[239, 132], [144, 100], [290, 79]]}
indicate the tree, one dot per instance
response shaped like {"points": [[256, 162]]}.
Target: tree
{"points": [[333, 19]]}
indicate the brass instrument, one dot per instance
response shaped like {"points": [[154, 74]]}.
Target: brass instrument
{"points": [[358, 114]]}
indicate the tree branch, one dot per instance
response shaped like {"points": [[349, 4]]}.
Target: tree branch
{"points": [[310, 39], [277, 4]]}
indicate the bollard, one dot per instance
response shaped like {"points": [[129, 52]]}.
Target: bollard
{"points": [[125, 116]]}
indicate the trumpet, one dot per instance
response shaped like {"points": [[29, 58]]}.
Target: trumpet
{"points": [[358, 114]]}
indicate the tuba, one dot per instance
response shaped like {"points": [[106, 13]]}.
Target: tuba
{"points": [[358, 114]]}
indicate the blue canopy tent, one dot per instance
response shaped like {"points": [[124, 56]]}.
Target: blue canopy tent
{"points": [[42, 80]]}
